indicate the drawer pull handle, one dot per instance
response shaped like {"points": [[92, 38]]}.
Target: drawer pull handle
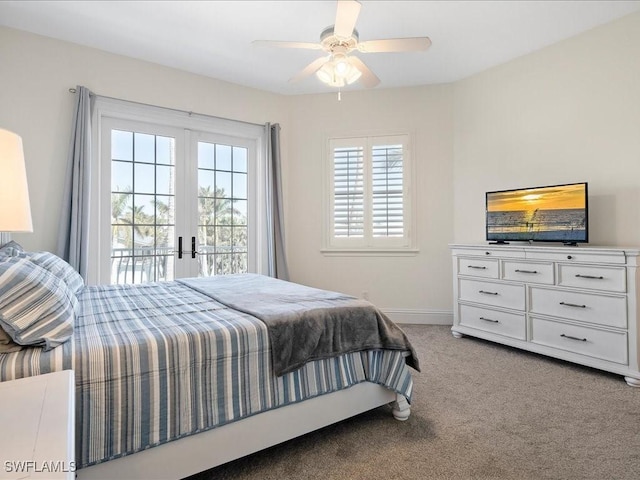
{"points": [[572, 305], [589, 276], [526, 271], [476, 267], [573, 338], [484, 292], [489, 320]]}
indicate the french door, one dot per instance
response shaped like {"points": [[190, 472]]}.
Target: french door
{"points": [[175, 202]]}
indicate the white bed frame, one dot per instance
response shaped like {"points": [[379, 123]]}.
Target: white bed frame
{"points": [[196, 453]]}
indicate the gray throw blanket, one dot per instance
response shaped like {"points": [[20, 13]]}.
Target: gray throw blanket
{"points": [[305, 323]]}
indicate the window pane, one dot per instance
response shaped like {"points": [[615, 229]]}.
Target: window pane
{"points": [[223, 264], [144, 178], [144, 148], [164, 180], [206, 265], [239, 159], [223, 157], [121, 176], [240, 239], [206, 155], [164, 210], [144, 209], [223, 212], [239, 212], [164, 150], [223, 183], [121, 145], [164, 239], [206, 211], [223, 239], [239, 185], [123, 239], [121, 208], [239, 263], [206, 183]]}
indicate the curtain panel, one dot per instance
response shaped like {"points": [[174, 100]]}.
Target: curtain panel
{"points": [[73, 237], [277, 262]]}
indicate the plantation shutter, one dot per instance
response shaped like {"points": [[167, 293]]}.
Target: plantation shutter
{"points": [[387, 190], [348, 192]]}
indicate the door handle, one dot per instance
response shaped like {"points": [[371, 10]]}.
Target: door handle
{"points": [[193, 247], [179, 247]]}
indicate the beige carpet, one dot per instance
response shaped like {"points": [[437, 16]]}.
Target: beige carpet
{"points": [[480, 411]]}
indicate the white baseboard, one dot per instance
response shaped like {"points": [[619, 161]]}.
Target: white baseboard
{"points": [[422, 317]]}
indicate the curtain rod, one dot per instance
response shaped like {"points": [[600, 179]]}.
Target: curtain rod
{"points": [[73, 90]]}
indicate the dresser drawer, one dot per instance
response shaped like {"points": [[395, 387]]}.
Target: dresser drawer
{"points": [[603, 344], [575, 255], [532, 272], [610, 279], [495, 294], [478, 267], [598, 309], [487, 252], [507, 324]]}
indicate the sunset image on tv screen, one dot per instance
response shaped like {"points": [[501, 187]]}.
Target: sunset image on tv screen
{"points": [[557, 213]]}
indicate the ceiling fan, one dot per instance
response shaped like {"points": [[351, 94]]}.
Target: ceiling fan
{"points": [[338, 68]]}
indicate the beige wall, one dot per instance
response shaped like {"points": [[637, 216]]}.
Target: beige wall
{"points": [[567, 113], [35, 76], [420, 283]]}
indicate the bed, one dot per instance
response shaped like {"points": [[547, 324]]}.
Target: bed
{"points": [[168, 373]]}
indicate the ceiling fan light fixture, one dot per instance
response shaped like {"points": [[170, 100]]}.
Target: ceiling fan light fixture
{"points": [[338, 72], [327, 74]]}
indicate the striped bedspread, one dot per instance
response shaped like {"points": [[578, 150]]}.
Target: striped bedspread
{"points": [[160, 361]]}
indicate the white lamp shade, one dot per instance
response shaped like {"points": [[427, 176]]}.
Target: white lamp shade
{"points": [[15, 211]]}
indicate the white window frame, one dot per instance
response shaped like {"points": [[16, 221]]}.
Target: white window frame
{"points": [[112, 112], [368, 244]]}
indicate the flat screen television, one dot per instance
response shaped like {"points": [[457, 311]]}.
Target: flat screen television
{"points": [[556, 213]]}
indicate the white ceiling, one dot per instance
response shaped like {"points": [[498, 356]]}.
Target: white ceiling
{"points": [[213, 38]]}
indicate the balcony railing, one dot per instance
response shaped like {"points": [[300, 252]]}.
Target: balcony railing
{"points": [[153, 264]]}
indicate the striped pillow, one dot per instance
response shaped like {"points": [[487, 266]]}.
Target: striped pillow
{"points": [[57, 267], [10, 249], [36, 308]]}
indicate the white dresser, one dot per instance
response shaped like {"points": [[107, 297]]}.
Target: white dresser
{"points": [[574, 303], [37, 417]]}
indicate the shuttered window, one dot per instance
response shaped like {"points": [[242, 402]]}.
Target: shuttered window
{"points": [[370, 195]]}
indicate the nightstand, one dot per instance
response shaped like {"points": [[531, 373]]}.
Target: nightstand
{"points": [[37, 422]]}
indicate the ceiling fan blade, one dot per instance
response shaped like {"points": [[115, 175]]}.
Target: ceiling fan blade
{"points": [[368, 78], [414, 44], [275, 43], [310, 69], [346, 17]]}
